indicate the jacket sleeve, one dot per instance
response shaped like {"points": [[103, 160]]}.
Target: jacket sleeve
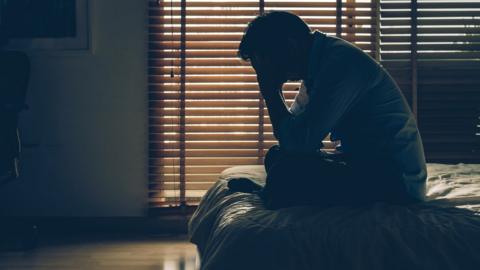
{"points": [[336, 87]]}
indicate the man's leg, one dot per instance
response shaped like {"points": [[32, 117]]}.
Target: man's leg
{"points": [[300, 179], [248, 186], [271, 157], [294, 179]]}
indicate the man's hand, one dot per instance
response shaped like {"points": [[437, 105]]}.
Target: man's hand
{"points": [[270, 80], [269, 84]]}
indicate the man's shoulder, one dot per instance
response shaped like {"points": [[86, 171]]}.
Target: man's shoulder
{"points": [[340, 60], [339, 48]]}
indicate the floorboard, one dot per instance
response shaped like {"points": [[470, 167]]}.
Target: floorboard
{"points": [[101, 252]]}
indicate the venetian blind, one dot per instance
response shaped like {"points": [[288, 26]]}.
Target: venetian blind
{"points": [[205, 111]]}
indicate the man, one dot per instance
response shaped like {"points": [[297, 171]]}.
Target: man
{"points": [[344, 93]]}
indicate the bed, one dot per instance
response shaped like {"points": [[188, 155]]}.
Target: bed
{"points": [[235, 231]]}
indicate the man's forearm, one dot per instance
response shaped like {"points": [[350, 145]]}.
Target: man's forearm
{"points": [[277, 109]]}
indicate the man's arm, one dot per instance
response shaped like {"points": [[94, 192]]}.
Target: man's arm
{"points": [[334, 92], [277, 109], [281, 117], [270, 84]]}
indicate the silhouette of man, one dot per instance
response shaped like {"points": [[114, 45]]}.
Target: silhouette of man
{"points": [[344, 93]]}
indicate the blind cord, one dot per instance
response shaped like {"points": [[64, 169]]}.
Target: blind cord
{"points": [[172, 75], [171, 40], [176, 198]]}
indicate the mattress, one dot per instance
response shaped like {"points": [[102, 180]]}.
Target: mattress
{"points": [[235, 231]]}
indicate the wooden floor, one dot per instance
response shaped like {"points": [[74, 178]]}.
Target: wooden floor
{"points": [[92, 253]]}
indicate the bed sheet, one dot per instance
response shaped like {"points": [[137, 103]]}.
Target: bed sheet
{"points": [[235, 231]]}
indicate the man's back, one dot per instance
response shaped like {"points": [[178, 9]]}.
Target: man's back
{"points": [[377, 123]]}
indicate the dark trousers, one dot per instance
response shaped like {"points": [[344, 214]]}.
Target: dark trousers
{"points": [[319, 179]]}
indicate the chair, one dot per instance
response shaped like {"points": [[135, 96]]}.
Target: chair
{"points": [[14, 74]]}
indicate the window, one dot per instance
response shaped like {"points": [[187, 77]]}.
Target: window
{"points": [[205, 111]]}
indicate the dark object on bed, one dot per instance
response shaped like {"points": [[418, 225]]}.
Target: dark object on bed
{"points": [[244, 185]]}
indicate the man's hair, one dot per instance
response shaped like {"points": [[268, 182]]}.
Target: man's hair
{"points": [[269, 32]]}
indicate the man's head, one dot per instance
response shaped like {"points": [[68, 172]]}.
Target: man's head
{"points": [[279, 40]]}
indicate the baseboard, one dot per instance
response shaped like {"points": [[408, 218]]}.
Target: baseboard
{"points": [[168, 225]]}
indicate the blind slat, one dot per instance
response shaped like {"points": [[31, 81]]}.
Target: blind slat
{"points": [[431, 13], [253, 13], [433, 22], [430, 5], [255, 4], [240, 28], [166, 21]]}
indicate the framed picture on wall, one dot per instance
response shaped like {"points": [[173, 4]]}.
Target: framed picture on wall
{"points": [[46, 24]]}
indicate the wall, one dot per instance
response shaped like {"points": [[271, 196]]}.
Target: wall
{"points": [[87, 124]]}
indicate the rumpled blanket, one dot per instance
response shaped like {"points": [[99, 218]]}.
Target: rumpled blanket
{"points": [[234, 230]]}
